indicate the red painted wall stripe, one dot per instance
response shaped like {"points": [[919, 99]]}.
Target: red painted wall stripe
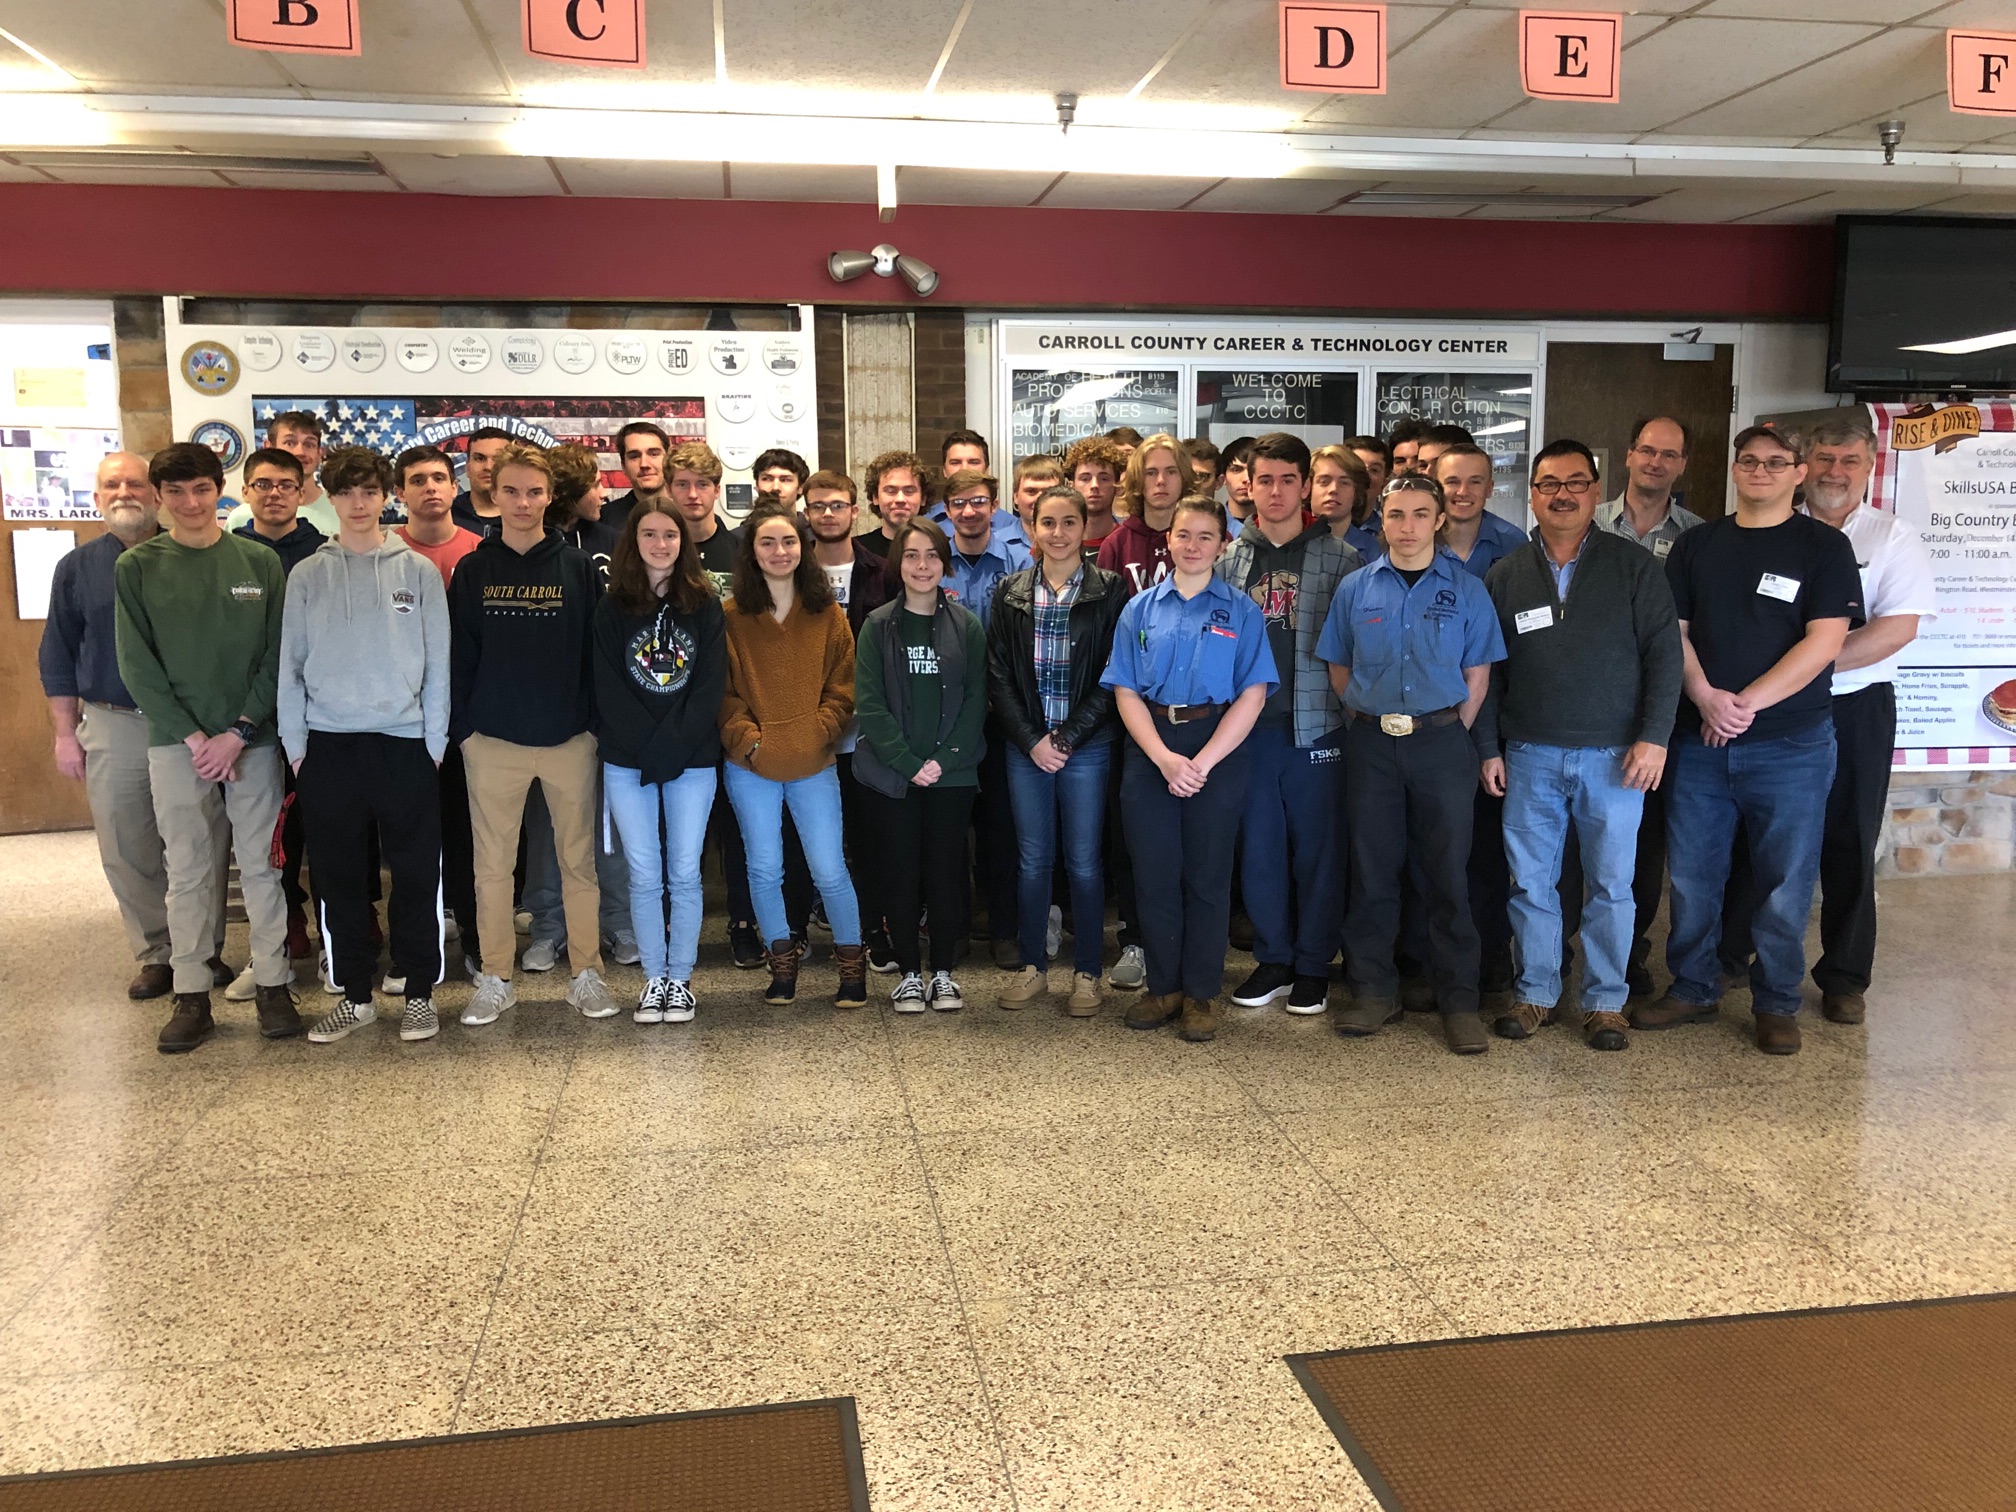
{"points": [[64, 238]]}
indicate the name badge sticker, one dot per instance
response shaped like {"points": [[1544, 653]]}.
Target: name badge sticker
{"points": [[1528, 620], [1662, 548], [1783, 589]]}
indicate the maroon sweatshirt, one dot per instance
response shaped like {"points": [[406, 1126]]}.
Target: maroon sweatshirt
{"points": [[1139, 553]]}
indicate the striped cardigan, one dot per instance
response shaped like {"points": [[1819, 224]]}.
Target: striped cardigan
{"points": [[1326, 563]]}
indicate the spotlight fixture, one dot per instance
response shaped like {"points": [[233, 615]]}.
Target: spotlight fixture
{"points": [[886, 262]]}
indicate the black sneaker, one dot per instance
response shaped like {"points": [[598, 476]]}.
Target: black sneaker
{"points": [[1310, 996], [881, 954], [744, 946], [1267, 983]]}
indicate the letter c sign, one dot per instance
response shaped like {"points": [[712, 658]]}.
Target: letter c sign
{"points": [[1571, 55], [1333, 49], [608, 32]]}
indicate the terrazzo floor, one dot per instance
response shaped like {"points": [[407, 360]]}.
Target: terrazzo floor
{"points": [[1057, 1263]]}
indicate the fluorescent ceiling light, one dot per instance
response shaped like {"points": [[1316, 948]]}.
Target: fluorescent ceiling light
{"points": [[43, 120], [1966, 345], [63, 74], [200, 162], [1536, 200]]}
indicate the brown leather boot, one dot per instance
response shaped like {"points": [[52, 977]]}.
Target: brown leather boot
{"points": [[278, 1017], [152, 982], [1153, 1012], [1669, 1010], [1605, 1031], [1365, 1016], [853, 989], [782, 957], [190, 1025], [1777, 1034], [1523, 1022], [1839, 1007], [1199, 1021]]}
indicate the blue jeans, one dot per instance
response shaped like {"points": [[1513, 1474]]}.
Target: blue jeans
{"points": [[1777, 790], [1292, 866], [815, 810], [541, 898], [1078, 794], [635, 806], [1545, 787]]}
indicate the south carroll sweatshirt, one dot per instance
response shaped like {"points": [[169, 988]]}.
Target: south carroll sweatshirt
{"points": [[364, 647], [522, 648], [658, 685]]}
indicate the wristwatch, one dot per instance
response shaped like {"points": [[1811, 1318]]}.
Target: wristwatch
{"points": [[246, 731]]}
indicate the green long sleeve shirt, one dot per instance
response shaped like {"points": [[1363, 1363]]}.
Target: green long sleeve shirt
{"points": [[198, 632], [904, 743]]}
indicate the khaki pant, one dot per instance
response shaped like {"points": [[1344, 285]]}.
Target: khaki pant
{"points": [[500, 776], [189, 812], [129, 842]]}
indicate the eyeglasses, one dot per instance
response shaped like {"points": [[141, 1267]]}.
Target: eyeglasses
{"points": [[1772, 465], [273, 486], [829, 506], [1548, 487], [1653, 454], [974, 501]]}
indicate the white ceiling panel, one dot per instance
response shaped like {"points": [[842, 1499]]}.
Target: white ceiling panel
{"points": [[1714, 202], [678, 52], [1875, 75], [432, 173], [12, 173], [968, 186], [1685, 66], [611, 176], [1456, 74], [1279, 196], [1974, 204], [773, 181], [108, 43], [1234, 58], [1881, 12], [179, 178], [1113, 191], [890, 46], [1043, 46], [1928, 124], [1405, 212], [1869, 200], [410, 52], [318, 181]]}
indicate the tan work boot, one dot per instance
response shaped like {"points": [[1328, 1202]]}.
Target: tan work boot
{"points": [[1199, 1021], [1523, 1022], [1669, 1010], [1153, 1012], [1605, 1031], [1844, 1007], [1777, 1034], [1085, 995], [1025, 986]]}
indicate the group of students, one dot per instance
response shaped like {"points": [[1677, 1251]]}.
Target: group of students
{"points": [[1348, 702]]}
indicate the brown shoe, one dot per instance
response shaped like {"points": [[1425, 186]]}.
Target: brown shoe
{"points": [[220, 974], [1085, 996], [151, 983], [853, 989], [1669, 1010], [278, 1018], [190, 1025], [782, 957], [1605, 1031], [1199, 1021], [1777, 1033], [1149, 1012], [1465, 1033], [1365, 1016], [1027, 985], [1523, 1022], [1843, 1007]]}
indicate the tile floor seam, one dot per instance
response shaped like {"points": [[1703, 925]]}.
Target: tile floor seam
{"points": [[886, 1019], [511, 1243]]}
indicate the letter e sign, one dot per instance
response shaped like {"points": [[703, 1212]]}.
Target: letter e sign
{"points": [[1981, 72], [1571, 55], [1333, 49], [609, 32], [328, 27]]}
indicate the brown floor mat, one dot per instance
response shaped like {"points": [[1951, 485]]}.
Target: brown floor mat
{"points": [[792, 1457], [1907, 1405]]}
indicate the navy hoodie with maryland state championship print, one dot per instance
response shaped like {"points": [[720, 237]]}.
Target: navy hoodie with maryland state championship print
{"points": [[521, 629]]}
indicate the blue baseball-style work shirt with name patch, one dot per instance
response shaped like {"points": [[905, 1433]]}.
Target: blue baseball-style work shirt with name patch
{"points": [[1407, 647], [1207, 649]]}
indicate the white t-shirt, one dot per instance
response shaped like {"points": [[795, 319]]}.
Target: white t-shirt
{"points": [[1896, 579]]}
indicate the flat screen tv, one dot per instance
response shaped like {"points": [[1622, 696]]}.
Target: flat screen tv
{"points": [[1923, 303]]}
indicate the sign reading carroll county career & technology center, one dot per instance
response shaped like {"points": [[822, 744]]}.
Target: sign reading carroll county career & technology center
{"points": [[393, 387], [1353, 343], [1951, 472]]}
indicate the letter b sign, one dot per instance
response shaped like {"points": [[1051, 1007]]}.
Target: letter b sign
{"points": [[328, 27], [1333, 49], [609, 32], [1571, 55]]}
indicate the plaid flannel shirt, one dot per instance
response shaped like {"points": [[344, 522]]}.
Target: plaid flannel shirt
{"points": [[1053, 646]]}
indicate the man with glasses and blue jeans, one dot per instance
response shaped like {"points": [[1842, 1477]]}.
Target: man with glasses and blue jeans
{"points": [[1584, 704], [1766, 598]]}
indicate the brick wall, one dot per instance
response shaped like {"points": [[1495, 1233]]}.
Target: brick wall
{"points": [[939, 375], [829, 375], [1949, 822]]}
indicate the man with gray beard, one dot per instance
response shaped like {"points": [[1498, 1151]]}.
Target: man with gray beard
{"points": [[101, 738]]}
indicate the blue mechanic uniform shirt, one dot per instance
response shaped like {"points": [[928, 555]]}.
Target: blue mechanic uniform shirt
{"points": [[1407, 647], [1203, 650]]}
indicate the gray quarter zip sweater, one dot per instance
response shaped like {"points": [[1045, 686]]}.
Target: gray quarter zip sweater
{"points": [[364, 647], [1601, 668]]}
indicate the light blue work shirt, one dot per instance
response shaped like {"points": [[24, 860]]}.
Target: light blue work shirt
{"points": [[1563, 572], [1207, 649], [1496, 538], [1407, 647], [972, 581], [1007, 524]]}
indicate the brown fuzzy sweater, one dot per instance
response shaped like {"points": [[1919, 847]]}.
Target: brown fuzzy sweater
{"points": [[790, 690]]}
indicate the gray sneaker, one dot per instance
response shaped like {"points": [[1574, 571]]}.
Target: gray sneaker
{"points": [[1130, 972], [340, 1020], [419, 1021], [540, 955], [591, 994], [491, 997]]}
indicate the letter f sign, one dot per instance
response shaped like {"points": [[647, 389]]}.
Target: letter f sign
{"points": [[1571, 55], [327, 27], [1977, 72]]}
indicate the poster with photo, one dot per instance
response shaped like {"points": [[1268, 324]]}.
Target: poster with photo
{"points": [[1051, 408], [49, 474]]}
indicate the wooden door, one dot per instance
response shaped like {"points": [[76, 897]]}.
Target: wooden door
{"points": [[33, 794], [1597, 390]]}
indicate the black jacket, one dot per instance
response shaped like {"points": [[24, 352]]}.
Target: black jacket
{"points": [[521, 651], [658, 685], [299, 544], [871, 586], [1011, 659]]}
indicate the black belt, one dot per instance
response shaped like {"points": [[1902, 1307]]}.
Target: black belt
{"points": [[1186, 713], [1407, 724]]}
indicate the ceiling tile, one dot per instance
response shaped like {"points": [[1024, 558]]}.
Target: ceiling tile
{"points": [[1878, 74], [1116, 191], [1882, 12], [1686, 66], [181, 40], [1234, 59], [615, 177], [968, 186], [678, 53], [1713, 202], [1862, 200], [471, 173], [775, 181], [177, 177], [1407, 212], [1010, 46], [1974, 204], [1279, 196], [410, 52], [11, 173], [889, 47], [1928, 123], [1457, 73], [347, 181]]}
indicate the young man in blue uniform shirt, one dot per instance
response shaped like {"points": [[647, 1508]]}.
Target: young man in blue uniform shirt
{"points": [[1410, 642]]}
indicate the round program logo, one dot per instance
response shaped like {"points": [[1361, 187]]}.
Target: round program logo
{"points": [[210, 368], [222, 438]]}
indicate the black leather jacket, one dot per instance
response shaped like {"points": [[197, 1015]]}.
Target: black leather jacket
{"points": [[1011, 659]]}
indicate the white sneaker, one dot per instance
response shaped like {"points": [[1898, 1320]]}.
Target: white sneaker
{"points": [[1053, 932], [1130, 972], [522, 922], [623, 949], [540, 955], [471, 967], [328, 974], [650, 1007], [340, 1020], [680, 1004], [243, 988], [908, 994], [451, 927], [393, 986], [419, 1021], [491, 997], [591, 994], [943, 994]]}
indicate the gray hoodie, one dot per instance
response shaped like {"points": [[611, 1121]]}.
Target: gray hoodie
{"points": [[364, 647]]}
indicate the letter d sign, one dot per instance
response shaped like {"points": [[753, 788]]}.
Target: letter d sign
{"points": [[1571, 55], [328, 27], [608, 32], [1333, 49], [1981, 72]]}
